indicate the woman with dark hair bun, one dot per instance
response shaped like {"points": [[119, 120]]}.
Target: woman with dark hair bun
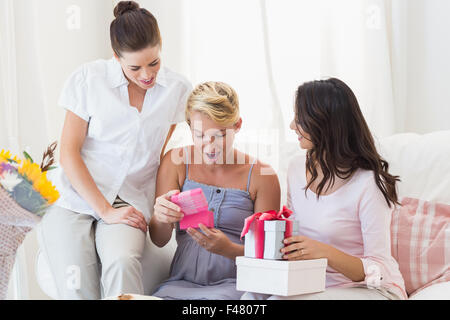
{"points": [[342, 194], [120, 116]]}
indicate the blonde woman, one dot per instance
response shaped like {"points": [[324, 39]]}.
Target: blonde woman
{"points": [[235, 184]]}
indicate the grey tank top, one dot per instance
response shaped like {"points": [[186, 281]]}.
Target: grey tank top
{"points": [[230, 207]]}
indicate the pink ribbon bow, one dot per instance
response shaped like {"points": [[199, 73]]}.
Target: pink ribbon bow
{"points": [[259, 219]]}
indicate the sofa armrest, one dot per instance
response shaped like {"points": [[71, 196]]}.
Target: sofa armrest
{"points": [[156, 263]]}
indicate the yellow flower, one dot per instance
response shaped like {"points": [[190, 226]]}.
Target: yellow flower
{"points": [[46, 189], [41, 184], [6, 155]]}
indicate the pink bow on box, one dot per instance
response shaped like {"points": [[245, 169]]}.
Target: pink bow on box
{"points": [[258, 227]]}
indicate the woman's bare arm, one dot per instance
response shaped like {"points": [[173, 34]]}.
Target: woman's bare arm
{"points": [[169, 135], [268, 191], [72, 139], [165, 213]]}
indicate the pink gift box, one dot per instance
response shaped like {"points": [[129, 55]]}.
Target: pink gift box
{"points": [[194, 206]]}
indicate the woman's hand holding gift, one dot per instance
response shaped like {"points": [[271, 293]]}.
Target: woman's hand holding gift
{"points": [[165, 211], [215, 241], [304, 248]]}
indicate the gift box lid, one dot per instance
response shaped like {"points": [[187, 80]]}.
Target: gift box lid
{"points": [[281, 264], [274, 225]]}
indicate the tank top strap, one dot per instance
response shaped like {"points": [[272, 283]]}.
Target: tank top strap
{"points": [[250, 175]]}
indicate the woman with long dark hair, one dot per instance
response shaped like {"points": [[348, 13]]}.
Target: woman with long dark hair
{"points": [[342, 194]]}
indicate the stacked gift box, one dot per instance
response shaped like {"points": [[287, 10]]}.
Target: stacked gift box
{"points": [[264, 234]]}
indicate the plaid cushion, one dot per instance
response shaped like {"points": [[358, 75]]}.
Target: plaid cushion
{"points": [[420, 235]]}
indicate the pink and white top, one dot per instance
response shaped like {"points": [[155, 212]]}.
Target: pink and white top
{"points": [[354, 219]]}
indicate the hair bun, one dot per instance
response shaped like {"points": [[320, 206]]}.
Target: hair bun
{"points": [[125, 6]]}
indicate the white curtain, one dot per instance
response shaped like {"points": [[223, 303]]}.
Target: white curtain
{"points": [[42, 42], [265, 49], [356, 48], [9, 119]]}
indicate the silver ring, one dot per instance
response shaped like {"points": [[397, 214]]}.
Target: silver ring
{"points": [[301, 252]]}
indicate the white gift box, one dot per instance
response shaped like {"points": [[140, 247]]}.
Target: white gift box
{"points": [[283, 278], [274, 235], [295, 228], [273, 239]]}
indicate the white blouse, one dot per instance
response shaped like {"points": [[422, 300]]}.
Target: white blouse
{"points": [[122, 147]]}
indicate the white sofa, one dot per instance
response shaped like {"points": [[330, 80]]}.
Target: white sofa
{"points": [[423, 164], [422, 161]]}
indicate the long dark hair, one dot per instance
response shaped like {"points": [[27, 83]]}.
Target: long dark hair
{"points": [[133, 29], [328, 111]]}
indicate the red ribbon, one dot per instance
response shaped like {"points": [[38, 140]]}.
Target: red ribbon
{"points": [[259, 219]]}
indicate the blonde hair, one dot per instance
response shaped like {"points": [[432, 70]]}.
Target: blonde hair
{"points": [[217, 100]]}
